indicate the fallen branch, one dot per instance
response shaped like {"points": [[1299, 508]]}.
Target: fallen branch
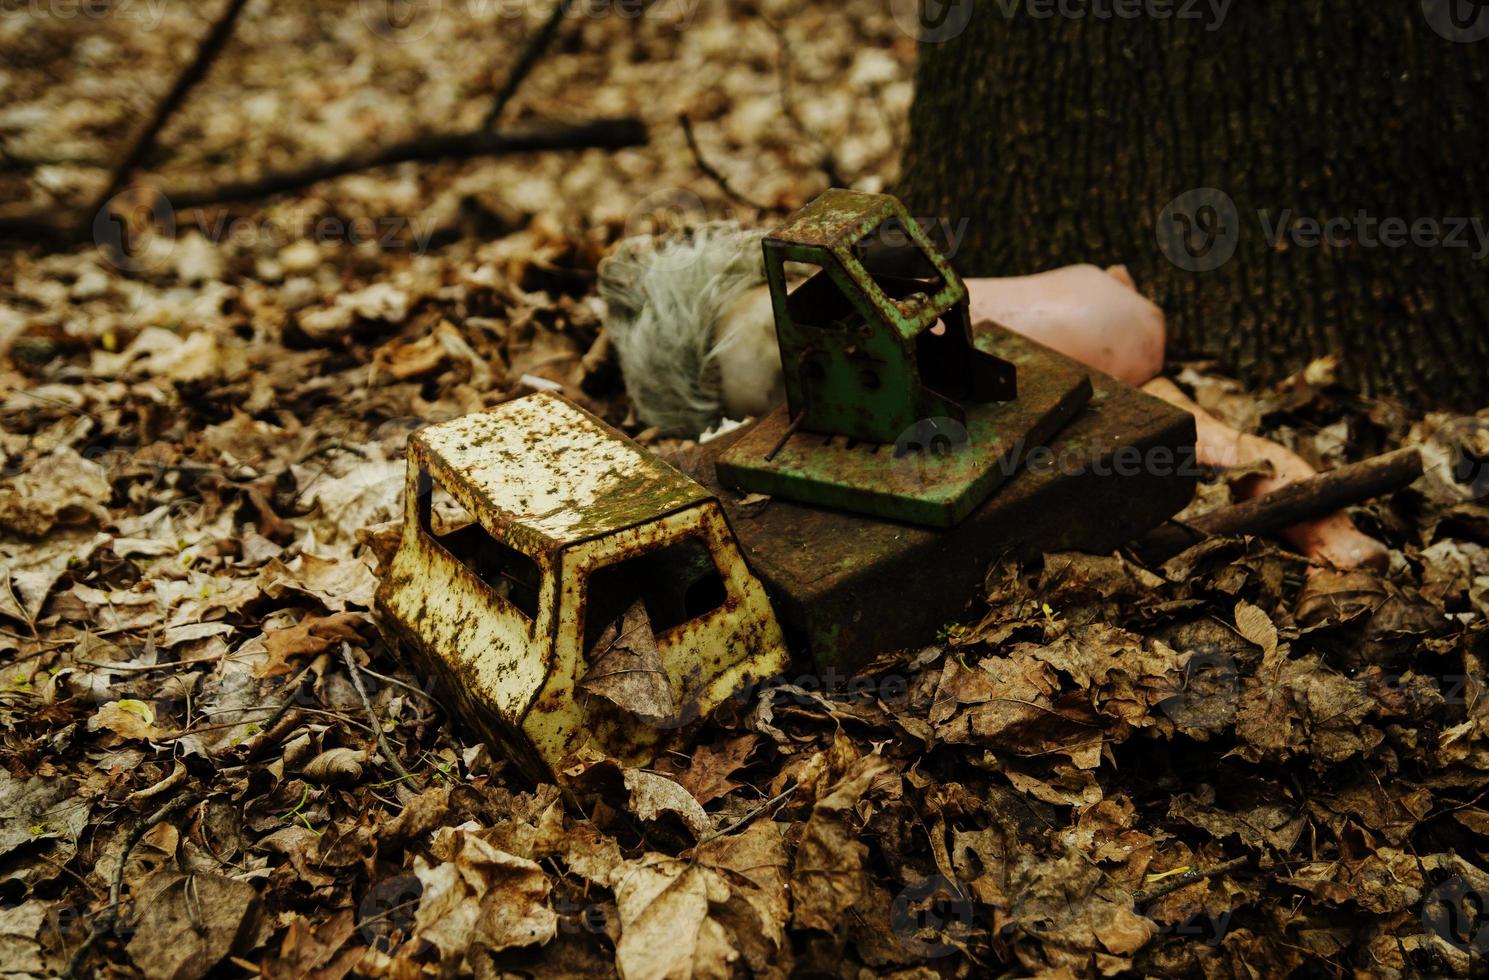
{"points": [[531, 52], [28, 223], [110, 915], [65, 227], [56, 228], [1293, 504], [377, 726], [144, 138], [601, 133], [828, 163], [273, 728]]}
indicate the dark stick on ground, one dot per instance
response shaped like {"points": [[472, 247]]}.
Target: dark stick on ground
{"points": [[377, 726], [48, 224], [828, 163], [526, 60], [116, 887], [598, 134], [144, 138], [601, 133], [1292, 504], [55, 228]]}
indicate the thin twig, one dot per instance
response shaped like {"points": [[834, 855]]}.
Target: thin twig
{"points": [[712, 172], [207, 50], [828, 163], [526, 60], [1185, 880], [377, 728], [45, 223], [746, 818], [407, 687], [110, 915], [271, 730], [146, 668]]}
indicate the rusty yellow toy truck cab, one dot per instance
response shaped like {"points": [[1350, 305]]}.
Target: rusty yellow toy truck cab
{"points": [[572, 589]]}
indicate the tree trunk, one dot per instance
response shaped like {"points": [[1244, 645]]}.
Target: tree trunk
{"points": [[1198, 148]]}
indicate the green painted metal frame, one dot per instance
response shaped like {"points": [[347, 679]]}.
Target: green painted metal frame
{"points": [[938, 473], [854, 434], [868, 383]]}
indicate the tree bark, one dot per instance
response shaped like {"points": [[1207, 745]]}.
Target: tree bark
{"points": [[1068, 138]]}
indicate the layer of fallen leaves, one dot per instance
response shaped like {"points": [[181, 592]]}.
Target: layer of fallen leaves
{"points": [[1232, 765]]}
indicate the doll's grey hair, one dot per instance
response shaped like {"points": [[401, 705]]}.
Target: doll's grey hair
{"points": [[665, 299]]}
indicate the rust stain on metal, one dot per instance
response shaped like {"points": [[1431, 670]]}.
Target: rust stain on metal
{"points": [[542, 468]]}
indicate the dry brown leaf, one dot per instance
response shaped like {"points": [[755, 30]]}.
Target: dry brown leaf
{"points": [[1256, 626], [189, 923], [708, 775], [29, 569], [481, 895], [128, 718], [666, 932], [336, 584], [311, 636], [627, 667], [61, 488], [586, 851], [828, 877], [307, 946], [757, 869], [20, 949], [653, 795], [339, 767]]}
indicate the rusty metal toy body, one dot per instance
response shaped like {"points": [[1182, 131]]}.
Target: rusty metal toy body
{"points": [[860, 348], [848, 587], [917, 449], [528, 530], [880, 364]]}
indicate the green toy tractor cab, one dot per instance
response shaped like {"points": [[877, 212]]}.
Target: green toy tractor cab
{"points": [[879, 336]]}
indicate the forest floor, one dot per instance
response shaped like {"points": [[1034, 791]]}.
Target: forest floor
{"points": [[1230, 765]]}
